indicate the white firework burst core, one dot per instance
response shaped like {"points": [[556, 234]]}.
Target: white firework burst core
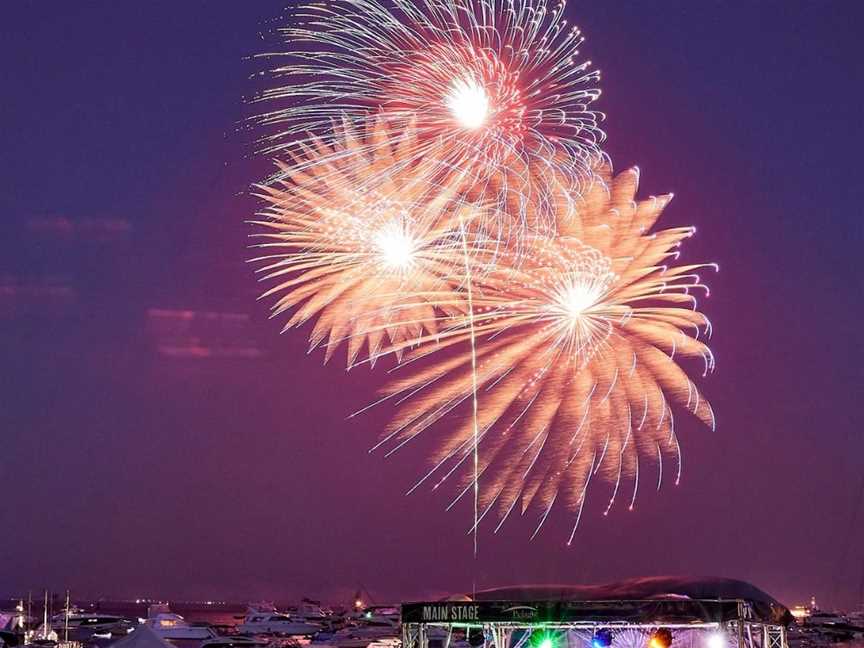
{"points": [[468, 102], [395, 246], [578, 293]]}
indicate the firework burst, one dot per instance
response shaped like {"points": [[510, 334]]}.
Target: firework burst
{"points": [[370, 255], [495, 87], [576, 368]]}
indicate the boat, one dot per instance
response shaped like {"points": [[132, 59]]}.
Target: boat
{"points": [[310, 610], [234, 641], [168, 625], [269, 621], [825, 618], [362, 636], [377, 627], [832, 627], [83, 625], [380, 615]]}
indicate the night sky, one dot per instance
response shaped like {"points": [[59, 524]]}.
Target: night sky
{"points": [[160, 438]]}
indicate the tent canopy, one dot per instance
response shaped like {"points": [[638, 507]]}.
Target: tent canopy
{"points": [[143, 636]]}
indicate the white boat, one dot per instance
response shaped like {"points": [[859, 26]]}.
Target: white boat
{"points": [[363, 636], [168, 625], [81, 624], [310, 611], [271, 622], [377, 627], [380, 615], [822, 620], [825, 618], [234, 641]]}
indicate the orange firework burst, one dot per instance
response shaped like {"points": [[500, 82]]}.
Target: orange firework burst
{"points": [[368, 253], [494, 86], [576, 349]]}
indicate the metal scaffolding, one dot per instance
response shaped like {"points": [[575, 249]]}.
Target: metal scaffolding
{"points": [[517, 624]]}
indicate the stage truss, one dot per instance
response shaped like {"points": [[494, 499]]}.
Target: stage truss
{"points": [[575, 624]]}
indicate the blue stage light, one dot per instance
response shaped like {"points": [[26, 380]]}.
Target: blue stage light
{"points": [[602, 639]]}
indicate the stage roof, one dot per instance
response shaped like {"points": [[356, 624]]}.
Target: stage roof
{"points": [[657, 600]]}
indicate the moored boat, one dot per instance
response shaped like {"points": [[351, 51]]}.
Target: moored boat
{"points": [[168, 625], [269, 621]]}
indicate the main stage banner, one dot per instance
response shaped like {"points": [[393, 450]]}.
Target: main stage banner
{"points": [[528, 612]]}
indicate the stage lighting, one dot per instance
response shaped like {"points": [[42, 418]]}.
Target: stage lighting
{"points": [[602, 639], [660, 638], [716, 640], [543, 640]]}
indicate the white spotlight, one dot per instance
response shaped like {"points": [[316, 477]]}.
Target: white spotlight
{"points": [[716, 640]]}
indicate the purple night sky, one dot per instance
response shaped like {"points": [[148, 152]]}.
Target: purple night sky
{"points": [[149, 448]]}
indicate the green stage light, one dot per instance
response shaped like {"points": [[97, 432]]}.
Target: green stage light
{"points": [[544, 639]]}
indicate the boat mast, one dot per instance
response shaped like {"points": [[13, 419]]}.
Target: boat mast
{"points": [[45, 617], [66, 620], [21, 628], [27, 636]]}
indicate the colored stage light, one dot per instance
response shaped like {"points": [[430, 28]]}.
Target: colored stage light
{"points": [[602, 639], [544, 640], [660, 638]]}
